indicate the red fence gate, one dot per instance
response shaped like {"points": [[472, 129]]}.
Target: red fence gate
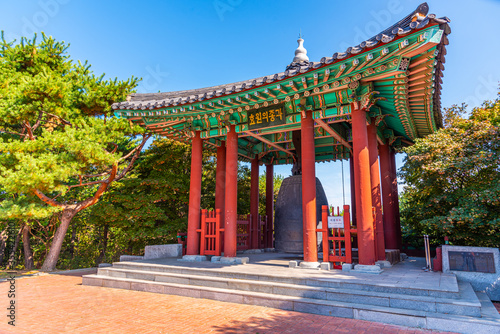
{"points": [[339, 238], [210, 238], [211, 232], [263, 230], [243, 232]]}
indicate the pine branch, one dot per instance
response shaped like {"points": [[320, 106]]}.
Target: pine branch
{"points": [[65, 122], [104, 185], [116, 147], [84, 184], [12, 133], [137, 151], [95, 175], [38, 121], [30, 132], [48, 200]]}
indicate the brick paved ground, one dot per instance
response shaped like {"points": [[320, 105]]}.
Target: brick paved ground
{"points": [[60, 304]]}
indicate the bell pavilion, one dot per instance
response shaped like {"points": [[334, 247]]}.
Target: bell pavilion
{"points": [[361, 105]]}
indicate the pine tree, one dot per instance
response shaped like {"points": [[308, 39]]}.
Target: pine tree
{"points": [[58, 138]]}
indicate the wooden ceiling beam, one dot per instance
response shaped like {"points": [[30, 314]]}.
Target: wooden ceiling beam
{"points": [[164, 124], [268, 142], [334, 133]]}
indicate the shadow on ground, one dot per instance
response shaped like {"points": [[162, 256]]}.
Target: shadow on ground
{"points": [[292, 322]]}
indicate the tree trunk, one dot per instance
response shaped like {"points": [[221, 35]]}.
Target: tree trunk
{"points": [[12, 256], [3, 242], [55, 249], [73, 241], [104, 245], [28, 254]]}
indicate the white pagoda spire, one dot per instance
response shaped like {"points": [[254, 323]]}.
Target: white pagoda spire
{"points": [[300, 52]]}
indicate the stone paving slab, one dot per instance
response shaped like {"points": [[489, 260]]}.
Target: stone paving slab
{"points": [[60, 304]]}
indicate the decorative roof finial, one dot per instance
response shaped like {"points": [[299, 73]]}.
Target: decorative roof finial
{"points": [[300, 52]]}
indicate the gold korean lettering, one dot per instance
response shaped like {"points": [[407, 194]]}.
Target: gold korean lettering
{"points": [[258, 117], [264, 116], [279, 113], [271, 115], [251, 119]]}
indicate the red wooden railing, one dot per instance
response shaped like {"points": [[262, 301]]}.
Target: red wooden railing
{"points": [[263, 229], [243, 232], [211, 232], [210, 238], [338, 238]]}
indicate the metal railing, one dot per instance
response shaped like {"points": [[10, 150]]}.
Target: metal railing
{"points": [[428, 260]]}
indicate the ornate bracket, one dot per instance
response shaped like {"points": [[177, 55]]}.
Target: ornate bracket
{"points": [[381, 118]]}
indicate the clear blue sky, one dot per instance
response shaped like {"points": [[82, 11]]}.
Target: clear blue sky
{"points": [[176, 45]]}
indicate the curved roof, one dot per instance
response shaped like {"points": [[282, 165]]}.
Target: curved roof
{"points": [[403, 64], [401, 28]]}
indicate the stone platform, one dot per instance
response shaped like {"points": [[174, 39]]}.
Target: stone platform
{"points": [[403, 294]]}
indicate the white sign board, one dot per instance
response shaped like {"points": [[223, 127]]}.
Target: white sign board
{"points": [[335, 222]]}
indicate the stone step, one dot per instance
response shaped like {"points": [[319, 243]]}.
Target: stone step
{"points": [[467, 305], [390, 315], [309, 281]]}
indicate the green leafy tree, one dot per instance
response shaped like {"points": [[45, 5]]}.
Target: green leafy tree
{"points": [[58, 133], [277, 181], [152, 204], [453, 179], [244, 182], [244, 185]]}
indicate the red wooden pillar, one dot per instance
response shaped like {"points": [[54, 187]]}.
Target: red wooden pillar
{"points": [[353, 191], [397, 222], [231, 196], [309, 188], [390, 235], [254, 202], [366, 244], [269, 204], [220, 180], [193, 239], [376, 196]]}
